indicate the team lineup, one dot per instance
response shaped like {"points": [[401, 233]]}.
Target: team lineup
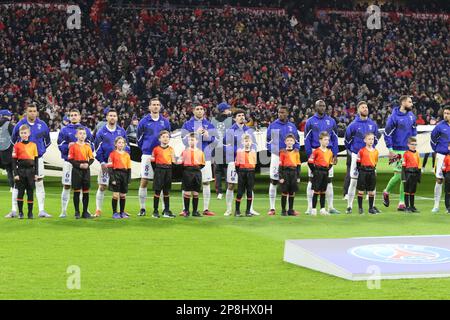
{"points": [[226, 145]]}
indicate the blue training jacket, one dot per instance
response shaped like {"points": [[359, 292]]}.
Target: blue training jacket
{"points": [[314, 126], [440, 137], [277, 132], [148, 132], [40, 134], [67, 135], [206, 145], [232, 141], [356, 131], [104, 142], [399, 127]]}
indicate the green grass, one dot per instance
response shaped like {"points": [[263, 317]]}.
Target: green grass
{"points": [[208, 258]]}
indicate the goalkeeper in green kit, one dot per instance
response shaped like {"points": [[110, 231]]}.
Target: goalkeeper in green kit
{"points": [[400, 126]]}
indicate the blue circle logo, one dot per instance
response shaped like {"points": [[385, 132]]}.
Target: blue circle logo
{"points": [[402, 253]]}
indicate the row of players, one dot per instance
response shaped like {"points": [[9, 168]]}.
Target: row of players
{"points": [[399, 128]]}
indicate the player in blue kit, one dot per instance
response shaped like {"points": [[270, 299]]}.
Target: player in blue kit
{"points": [[148, 138], [104, 145], [440, 138], [40, 135], [67, 137], [314, 126]]}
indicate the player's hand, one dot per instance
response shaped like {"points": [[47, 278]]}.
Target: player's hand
{"points": [[84, 166], [335, 160], [71, 144], [104, 167], [281, 180], [36, 178], [392, 155], [205, 134], [113, 182], [298, 180], [17, 178]]}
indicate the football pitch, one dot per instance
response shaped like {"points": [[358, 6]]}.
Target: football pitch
{"points": [[201, 258]]}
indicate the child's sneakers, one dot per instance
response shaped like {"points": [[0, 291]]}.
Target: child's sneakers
{"points": [[414, 210], [124, 215], [116, 215], [168, 214], [237, 213], [30, 216], [196, 214], [372, 211], [155, 214], [292, 213], [324, 212], [185, 213], [360, 211], [77, 215], [249, 214], [20, 215], [284, 213], [86, 215], [314, 212]]}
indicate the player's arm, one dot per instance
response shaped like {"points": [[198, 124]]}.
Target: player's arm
{"points": [[434, 138], [185, 134], [202, 164], [47, 140], [90, 138], [335, 142], [269, 138], [358, 159], [15, 134], [405, 156], [36, 162], [91, 156], [389, 131], [311, 160], [63, 145], [348, 137], [299, 164], [377, 134], [414, 128], [297, 138], [308, 139], [140, 133], [14, 162]]}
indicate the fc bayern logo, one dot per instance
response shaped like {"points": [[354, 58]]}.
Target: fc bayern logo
{"points": [[402, 253]]}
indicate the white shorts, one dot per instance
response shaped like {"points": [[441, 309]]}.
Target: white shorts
{"points": [[438, 165], [41, 167], [66, 178], [274, 166], [146, 167], [103, 178], [353, 167], [207, 172], [330, 172], [232, 176]]}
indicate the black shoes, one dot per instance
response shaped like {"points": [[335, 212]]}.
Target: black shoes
{"points": [[156, 214]]}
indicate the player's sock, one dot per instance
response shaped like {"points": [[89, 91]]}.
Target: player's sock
{"points": [[166, 202], [437, 194], [238, 204], [393, 182], [330, 195], [351, 193], [30, 207], [272, 195], [229, 199], [322, 200], [20, 204], [76, 201], [99, 197], [156, 201], [360, 200], [283, 201], [182, 197], [309, 195], [85, 201], [314, 200], [122, 204], [407, 200], [402, 192], [253, 201], [114, 204], [411, 200], [14, 200], [291, 201], [206, 196], [371, 201], [65, 198], [186, 200], [163, 203], [40, 194], [194, 204], [142, 193]]}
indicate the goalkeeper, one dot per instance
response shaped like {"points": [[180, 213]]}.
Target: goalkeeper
{"points": [[400, 126]]}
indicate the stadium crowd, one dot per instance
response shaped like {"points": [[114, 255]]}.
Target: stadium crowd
{"points": [[122, 57]]}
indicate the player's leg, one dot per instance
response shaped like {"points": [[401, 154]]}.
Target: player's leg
{"points": [[439, 181], [13, 212], [114, 204], [447, 192], [20, 193], [40, 190], [66, 181], [30, 200], [309, 192], [274, 177], [103, 182], [86, 186], [250, 186], [207, 177], [123, 199], [353, 182], [240, 193], [219, 172], [232, 180], [167, 186], [330, 193], [323, 192], [186, 201], [146, 174]]}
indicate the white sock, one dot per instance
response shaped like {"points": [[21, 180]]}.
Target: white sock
{"points": [[229, 199], [437, 194], [309, 194], [253, 201], [351, 193], [100, 196], [162, 198], [272, 195], [65, 197], [40, 194], [182, 199], [206, 196], [330, 196], [14, 200], [142, 193]]}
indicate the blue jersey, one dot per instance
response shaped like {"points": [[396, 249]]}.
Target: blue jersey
{"points": [[356, 131], [277, 132], [314, 126], [40, 134], [67, 135], [399, 127], [206, 145], [232, 141], [148, 132], [440, 137], [104, 142]]}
